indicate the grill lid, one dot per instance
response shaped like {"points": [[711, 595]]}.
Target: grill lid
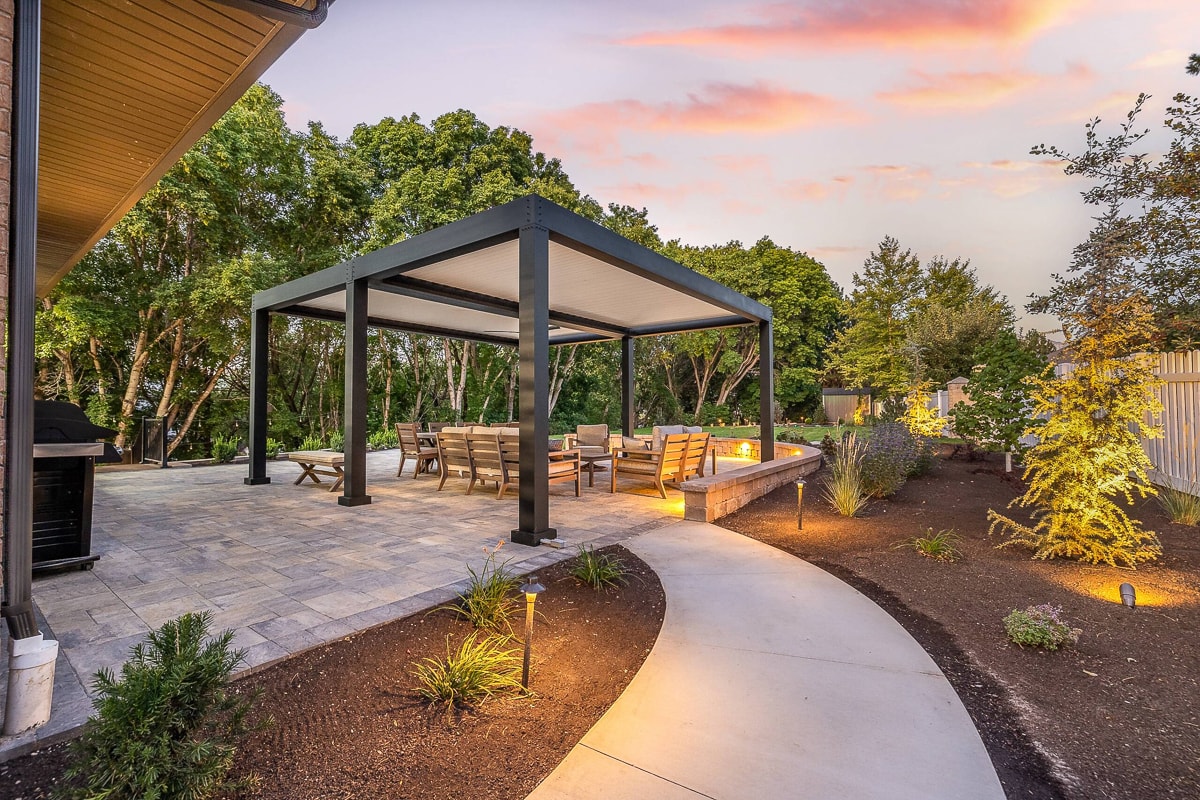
{"points": [[56, 421]]}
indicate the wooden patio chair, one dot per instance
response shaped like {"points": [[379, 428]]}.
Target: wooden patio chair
{"points": [[436, 427], [692, 465], [565, 466], [486, 463], [589, 440], [453, 455], [664, 464], [411, 447]]}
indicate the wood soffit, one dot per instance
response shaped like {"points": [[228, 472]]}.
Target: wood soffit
{"points": [[127, 87]]}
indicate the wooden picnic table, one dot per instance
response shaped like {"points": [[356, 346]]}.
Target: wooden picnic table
{"points": [[319, 462]]}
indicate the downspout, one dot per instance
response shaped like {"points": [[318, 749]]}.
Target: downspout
{"points": [[280, 11], [18, 495]]}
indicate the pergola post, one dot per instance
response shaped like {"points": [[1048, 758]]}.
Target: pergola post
{"points": [[354, 487], [22, 233], [260, 324], [766, 392], [628, 411], [533, 520]]}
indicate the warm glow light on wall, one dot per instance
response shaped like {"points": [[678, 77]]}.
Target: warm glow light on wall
{"points": [[1165, 590]]}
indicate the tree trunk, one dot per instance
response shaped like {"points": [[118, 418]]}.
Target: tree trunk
{"points": [[560, 371], [191, 415], [164, 404]]}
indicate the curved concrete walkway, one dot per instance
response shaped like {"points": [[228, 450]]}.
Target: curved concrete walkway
{"points": [[773, 679]]}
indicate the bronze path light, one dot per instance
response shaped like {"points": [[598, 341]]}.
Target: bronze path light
{"points": [[532, 589]]}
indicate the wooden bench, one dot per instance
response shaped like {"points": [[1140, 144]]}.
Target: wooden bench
{"points": [[319, 462]]}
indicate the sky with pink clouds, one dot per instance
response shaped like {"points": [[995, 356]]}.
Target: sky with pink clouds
{"points": [[825, 125]]}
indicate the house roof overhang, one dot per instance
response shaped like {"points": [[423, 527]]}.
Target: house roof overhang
{"points": [[127, 86], [462, 281]]}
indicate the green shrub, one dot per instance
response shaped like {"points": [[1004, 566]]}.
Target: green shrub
{"points": [[385, 439], [337, 442], [1182, 507], [312, 443], [844, 487], [790, 435], [476, 671], [224, 450], [819, 415], [274, 447], [167, 728], [940, 546], [598, 570], [1040, 626], [490, 596]]}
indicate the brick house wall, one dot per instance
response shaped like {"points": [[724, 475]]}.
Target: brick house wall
{"points": [[6, 76]]}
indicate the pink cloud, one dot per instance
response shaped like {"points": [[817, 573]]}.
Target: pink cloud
{"points": [[1162, 58], [898, 182], [1008, 179], [719, 108], [957, 90], [810, 191], [640, 193], [741, 164], [909, 24]]}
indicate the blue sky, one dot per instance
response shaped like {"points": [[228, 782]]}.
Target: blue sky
{"points": [[825, 125]]}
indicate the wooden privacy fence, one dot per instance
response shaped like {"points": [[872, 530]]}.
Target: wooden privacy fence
{"points": [[1174, 456]]}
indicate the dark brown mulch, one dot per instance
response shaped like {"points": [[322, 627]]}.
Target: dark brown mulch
{"points": [[1115, 717], [348, 724]]}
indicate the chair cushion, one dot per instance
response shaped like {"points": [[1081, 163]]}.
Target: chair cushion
{"points": [[592, 435], [643, 466], [662, 432], [633, 443]]}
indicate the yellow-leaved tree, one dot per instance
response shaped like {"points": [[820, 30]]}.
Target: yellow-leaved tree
{"points": [[1088, 455]]}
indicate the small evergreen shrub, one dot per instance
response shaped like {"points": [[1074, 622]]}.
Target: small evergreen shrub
{"points": [[790, 435], [819, 416], [598, 570], [844, 487], [274, 448], [490, 597], [224, 450], [828, 447], [167, 727], [1182, 507], [1040, 626], [891, 455], [471, 674], [940, 546]]}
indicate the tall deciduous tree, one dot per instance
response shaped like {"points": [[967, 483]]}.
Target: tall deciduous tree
{"points": [[1001, 409]]}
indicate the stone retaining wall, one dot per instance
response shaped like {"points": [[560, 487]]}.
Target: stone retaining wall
{"points": [[712, 497]]}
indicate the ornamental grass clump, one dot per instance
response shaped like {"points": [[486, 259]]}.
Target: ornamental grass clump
{"points": [[844, 485], [1182, 507], [167, 727], [940, 546], [478, 669], [490, 597], [1040, 626], [598, 570]]}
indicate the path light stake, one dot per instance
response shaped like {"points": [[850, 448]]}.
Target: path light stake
{"points": [[1128, 595], [800, 504], [532, 589]]}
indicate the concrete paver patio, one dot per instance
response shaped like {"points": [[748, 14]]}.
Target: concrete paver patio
{"points": [[285, 566]]}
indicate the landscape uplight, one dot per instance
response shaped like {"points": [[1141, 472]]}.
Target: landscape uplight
{"points": [[1128, 595], [800, 504], [532, 589]]}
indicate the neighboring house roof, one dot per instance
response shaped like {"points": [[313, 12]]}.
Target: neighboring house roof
{"points": [[127, 87]]}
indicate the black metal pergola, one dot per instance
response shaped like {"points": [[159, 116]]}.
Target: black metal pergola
{"points": [[529, 273]]}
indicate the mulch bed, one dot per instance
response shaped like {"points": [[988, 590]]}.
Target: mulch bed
{"points": [[1115, 716], [348, 724]]}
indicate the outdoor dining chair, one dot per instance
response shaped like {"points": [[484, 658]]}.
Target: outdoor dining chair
{"points": [[411, 447]]}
